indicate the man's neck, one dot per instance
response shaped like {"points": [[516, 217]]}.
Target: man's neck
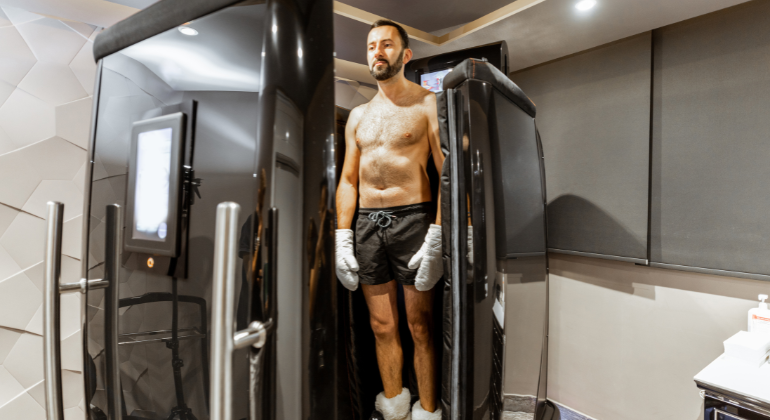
{"points": [[394, 88]]}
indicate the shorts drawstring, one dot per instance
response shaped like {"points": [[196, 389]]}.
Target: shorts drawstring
{"points": [[382, 218]]}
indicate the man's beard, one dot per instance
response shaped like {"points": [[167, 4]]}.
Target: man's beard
{"points": [[386, 71]]}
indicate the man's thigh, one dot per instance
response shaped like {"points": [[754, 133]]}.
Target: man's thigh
{"points": [[382, 302], [419, 305]]}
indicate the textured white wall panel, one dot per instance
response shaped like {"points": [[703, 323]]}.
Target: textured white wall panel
{"points": [[46, 82]]}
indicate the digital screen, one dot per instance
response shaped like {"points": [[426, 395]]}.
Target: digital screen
{"points": [[153, 173], [432, 81]]}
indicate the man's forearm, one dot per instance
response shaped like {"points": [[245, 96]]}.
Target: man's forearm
{"points": [[347, 195], [438, 207]]}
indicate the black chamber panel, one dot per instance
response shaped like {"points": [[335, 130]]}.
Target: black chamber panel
{"points": [[710, 195], [593, 115], [517, 183], [218, 70]]}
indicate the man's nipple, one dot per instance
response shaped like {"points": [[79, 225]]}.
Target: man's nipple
{"points": [[408, 135]]}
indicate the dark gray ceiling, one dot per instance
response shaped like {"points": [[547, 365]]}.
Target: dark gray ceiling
{"points": [[350, 39], [429, 15]]}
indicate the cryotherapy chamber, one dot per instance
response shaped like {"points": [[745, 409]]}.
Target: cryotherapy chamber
{"points": [[195, 309], [208, 241]]}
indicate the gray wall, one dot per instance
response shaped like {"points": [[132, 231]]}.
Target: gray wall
{"points": [[594, 120], [711, 149]]}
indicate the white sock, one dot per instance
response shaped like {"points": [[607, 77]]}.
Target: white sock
{"points": [[419, 413], [396, 408]]}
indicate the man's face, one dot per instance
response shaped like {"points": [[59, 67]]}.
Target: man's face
{"points": [[385, 53]]}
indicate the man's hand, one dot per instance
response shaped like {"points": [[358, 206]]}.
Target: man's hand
{"points": [[429, 261], [346, 259]]}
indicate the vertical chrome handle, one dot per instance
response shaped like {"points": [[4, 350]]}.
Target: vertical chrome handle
{"points": [[51, 300], [223, 301], [223, 340], [113, 241]]}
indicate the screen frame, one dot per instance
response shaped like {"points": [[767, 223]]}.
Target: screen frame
{"points": [[169, 247]]}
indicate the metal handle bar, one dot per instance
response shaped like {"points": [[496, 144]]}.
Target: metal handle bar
{"points": [[51, 304], [52, 290], [223, 340]]}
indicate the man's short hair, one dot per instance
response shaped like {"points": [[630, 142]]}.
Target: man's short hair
{"points": [[401, 31]]}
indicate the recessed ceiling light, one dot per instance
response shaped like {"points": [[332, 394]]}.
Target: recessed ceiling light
{"points": [[585, 5], [299, 52], [188, 31]]}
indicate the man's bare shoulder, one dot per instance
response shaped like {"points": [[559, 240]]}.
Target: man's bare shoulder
{"points": [[355, 115]]}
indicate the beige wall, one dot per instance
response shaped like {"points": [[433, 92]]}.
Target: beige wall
{"points": [[46, 82], [626, 340]]}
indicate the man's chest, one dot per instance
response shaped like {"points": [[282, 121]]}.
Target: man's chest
{"points": [[388, 127]]}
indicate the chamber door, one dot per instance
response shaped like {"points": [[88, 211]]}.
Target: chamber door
{"points": [[287, 197]]}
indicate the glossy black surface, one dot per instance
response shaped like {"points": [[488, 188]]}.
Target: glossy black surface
{"points": [[499, 145], [254, 76]]}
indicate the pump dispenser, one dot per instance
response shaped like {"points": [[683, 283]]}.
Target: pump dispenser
{"points": [[759, 318]]}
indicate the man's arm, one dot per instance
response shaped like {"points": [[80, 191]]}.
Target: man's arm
{"points": [[347, 191], [435, 146]]}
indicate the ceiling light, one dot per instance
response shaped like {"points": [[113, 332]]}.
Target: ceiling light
{"points": [[299, 52], [275, 28], [585, 5], [186, 30]]}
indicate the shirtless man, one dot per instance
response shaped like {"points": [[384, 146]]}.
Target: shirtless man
{"points": [[398, 233]]}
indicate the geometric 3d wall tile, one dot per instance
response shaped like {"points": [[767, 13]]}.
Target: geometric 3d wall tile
{"points": [[38, 34], [54, 83], [63, 191], [84, 68], [80, 178], [27, 119], [19, 16], [17, 57], [24, 360], [8, 339], [19, 300], [35, 325], [5, 91], [46, 79], [8, 266], [6, 145], [83, 29], [74, 413], [38, 393], [72, 353], [23, 407], [4, 21], [72, 236], [7, 215], [9, 387], [70, 314], [51, 159], [73, 121], [72, 388], [22, 240]]}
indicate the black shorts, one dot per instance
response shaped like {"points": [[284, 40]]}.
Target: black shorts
{"points": [[387, 238]]}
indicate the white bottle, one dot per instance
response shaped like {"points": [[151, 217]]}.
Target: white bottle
{"points": [[759, 318]]}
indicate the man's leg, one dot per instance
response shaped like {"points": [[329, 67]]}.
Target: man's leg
{"points": [[383, 315], [419, 313]]}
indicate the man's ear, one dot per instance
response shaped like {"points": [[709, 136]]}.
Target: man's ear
{"points": [[407, 55]]}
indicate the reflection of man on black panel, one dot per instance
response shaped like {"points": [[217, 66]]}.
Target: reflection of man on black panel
{"points": [[388, 142]]}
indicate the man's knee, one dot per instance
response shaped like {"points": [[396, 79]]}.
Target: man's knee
{"points": [[420, 327], [384, 330]]}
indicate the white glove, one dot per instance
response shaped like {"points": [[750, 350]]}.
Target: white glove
{"points": [[470, 245], [429, 260], [346, 259]]}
